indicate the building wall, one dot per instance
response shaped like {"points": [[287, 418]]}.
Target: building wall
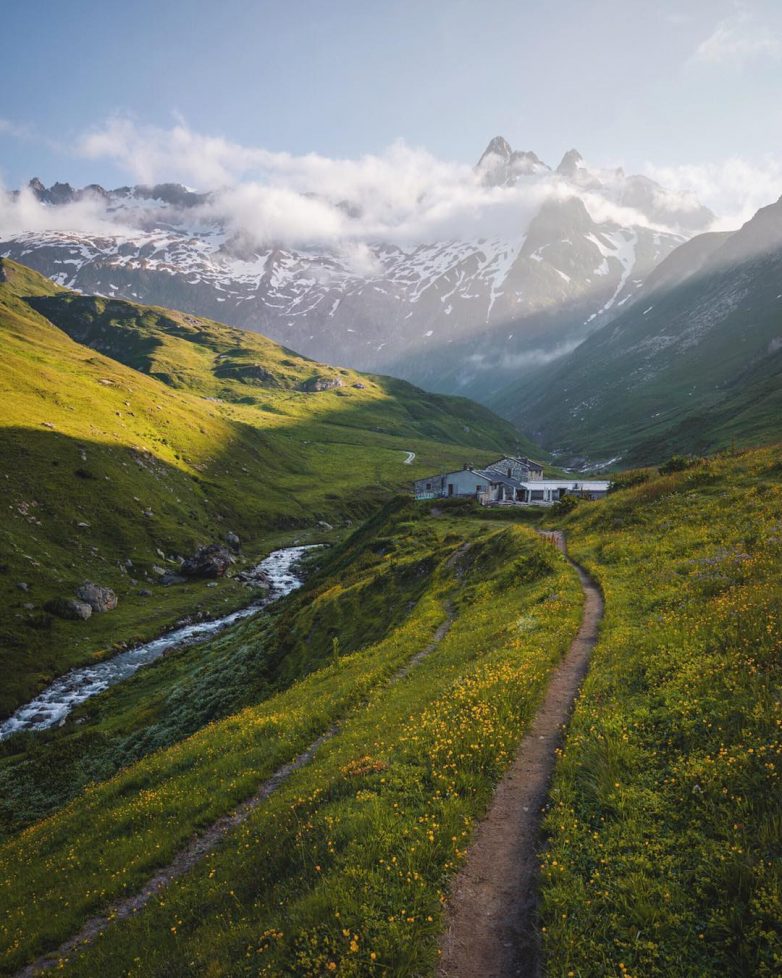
{"points": [[464, 482]]}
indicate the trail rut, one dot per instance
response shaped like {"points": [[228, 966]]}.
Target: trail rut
{"points": [[208, 840], [492, 927]]}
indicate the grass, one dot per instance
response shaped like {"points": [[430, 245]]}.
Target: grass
{"points": [[412, 766], [105, 463], [355, 595], [665, 835]]}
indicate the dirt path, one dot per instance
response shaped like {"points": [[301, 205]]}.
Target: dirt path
{"points": [[201, 845], [492, 931]]}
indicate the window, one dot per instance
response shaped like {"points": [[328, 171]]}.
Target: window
{"points": [[450, 488], [428, 485], [477, 488], [509, 472], [536, 494]]}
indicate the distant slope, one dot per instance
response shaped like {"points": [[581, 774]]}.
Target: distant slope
{"points": [[694, 365], [107, 472]]}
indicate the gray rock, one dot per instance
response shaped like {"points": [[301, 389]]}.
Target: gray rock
{"points": [[324, 525], [319, 383], [157, 570], [211, 561], [144, 592], [69, 609], [169, 577], [23, 586], [99, 598], [232, 540]]}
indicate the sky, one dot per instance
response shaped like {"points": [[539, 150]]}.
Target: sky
{"points": [[98, 91]]}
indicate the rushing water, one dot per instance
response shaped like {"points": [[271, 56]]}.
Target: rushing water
{"points": [[56, 701]]}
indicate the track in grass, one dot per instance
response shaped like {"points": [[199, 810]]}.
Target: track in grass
{"points": [[208, 840], [492, 926]]}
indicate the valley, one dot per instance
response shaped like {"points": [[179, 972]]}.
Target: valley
{"points": [[387, 734]]}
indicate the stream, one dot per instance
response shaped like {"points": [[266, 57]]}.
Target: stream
{"points": [[53, 705]]}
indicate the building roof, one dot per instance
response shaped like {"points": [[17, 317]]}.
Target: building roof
{"points": [[572, 484]]}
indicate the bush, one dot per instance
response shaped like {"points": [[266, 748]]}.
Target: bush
{"points": [[677, 463]]}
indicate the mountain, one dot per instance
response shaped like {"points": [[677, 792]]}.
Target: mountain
{"points": [[695, 363], [147, 432], [459, 314]]}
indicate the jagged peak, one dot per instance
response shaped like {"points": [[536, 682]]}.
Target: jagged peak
{"points": [[499, 146], [570, 162]]}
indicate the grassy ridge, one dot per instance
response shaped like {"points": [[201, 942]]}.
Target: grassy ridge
{"points": [[103, 463], [666, 840], [358, 592], [412, 766]]}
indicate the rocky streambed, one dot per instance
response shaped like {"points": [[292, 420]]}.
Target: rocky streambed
{"points": [[53, 705]]}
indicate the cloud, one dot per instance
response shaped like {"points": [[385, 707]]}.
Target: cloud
{"points": [[150, 154], [736, 39], [404, 195], [23, 213], [734, 188]]}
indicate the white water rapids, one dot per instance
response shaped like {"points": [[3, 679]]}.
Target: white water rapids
{"points": [[52, 706]]}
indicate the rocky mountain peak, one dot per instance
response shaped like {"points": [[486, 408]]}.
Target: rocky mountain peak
{"points": [[499, 146], [570, 163], [37, 187], [500, 165]]}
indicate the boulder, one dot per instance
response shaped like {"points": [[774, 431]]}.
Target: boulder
{"points": [[320, 383], [232, 540], [169, 577], [99, 598], [211, 561], [68, 608]]}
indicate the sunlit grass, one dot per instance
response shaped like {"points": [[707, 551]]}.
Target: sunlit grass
{"points": [[665, 828]]}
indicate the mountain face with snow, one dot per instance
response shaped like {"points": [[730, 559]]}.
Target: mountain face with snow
{"points": [[695, 364], [463, 314]]}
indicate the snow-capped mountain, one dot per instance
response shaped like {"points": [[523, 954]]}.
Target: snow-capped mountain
{"points": [[457, 314]]}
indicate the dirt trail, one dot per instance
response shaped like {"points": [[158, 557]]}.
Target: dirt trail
{"points": [[201, 845], [492, 930]]}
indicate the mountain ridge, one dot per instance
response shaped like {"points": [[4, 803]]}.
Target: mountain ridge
{"points": [[446, 313]]}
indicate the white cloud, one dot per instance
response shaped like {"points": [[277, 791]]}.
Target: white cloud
{"points": [[404, 195], [734, 188], [738, 38], [25, 213]]}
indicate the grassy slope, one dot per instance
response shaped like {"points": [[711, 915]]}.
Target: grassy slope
{"points": [[353, 594], [153, 471], [666, 843], [410, 769]]}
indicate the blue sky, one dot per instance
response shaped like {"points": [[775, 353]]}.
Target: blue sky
{"points": [[660, 84]]}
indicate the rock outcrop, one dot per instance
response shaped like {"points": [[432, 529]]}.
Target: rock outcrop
{"points": [[211, 561], [68, 608], [99, 598]]}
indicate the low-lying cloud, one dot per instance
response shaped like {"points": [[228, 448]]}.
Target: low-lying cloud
{"points": [[404, 196]]}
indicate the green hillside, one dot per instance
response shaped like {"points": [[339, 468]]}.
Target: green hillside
{"points": [[361, 839], [663, 829], [665, 838], [109, 472]]}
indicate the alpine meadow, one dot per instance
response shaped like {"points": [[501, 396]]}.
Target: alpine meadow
{"points": [[391, 559]]}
